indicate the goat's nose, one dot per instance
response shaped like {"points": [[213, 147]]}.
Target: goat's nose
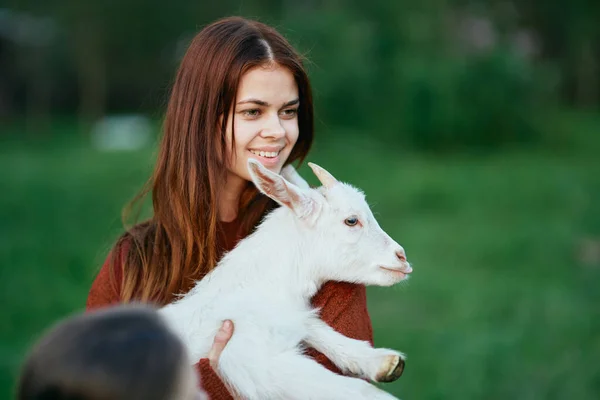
{"points": [[401, 255]]}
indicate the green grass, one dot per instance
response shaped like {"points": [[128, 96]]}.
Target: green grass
{"points": [[500, 305]]}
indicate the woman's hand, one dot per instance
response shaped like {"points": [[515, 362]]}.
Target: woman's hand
{"points": [[221, 339]]}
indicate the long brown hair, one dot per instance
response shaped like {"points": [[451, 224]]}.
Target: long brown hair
{"points": [[178, 244]]}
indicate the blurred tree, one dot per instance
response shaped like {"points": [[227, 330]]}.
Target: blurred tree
{"points": [[570, 33], [112, 43], [26, 51], [436, 74]]}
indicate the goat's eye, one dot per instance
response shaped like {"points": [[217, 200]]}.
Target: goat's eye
{"points": [[351, 221]]}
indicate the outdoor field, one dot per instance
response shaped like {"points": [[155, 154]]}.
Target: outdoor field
{"points": [[504, 301]]}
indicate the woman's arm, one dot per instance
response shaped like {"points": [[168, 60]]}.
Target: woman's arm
{"points": [[344, 308], [210, 381]]}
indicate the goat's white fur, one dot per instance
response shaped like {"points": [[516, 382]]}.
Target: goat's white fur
{"points": [[264, 285]]}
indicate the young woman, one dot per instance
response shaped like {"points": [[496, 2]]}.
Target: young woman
{"points": [[241, 92]]}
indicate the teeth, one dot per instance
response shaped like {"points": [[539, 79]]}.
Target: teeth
{"points": [[266, 154]]}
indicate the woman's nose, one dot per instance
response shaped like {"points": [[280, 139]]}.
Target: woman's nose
{"points": [[274, 128]]}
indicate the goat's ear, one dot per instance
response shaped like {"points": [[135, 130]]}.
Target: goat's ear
{"points": [[324, 177], [280, 190], [290, 174]]}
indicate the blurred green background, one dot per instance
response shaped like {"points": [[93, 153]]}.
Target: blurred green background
{"points": [[473, 127]]}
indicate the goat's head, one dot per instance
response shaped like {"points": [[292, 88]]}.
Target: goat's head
{"points": [[348, 240]]}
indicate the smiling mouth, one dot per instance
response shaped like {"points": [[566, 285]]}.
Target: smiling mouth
{"points": [[265, 154]]}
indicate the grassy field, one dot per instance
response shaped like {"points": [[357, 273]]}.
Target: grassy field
{"points": [[503, 304]]}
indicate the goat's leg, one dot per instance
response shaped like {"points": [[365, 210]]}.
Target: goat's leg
{"points": [[293, 376], [352, 356]]}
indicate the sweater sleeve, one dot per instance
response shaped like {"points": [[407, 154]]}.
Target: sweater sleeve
{"points": [[344, 308], [106, 292], [211, 383]]}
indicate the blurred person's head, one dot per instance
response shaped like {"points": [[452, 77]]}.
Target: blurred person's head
{"points": [[121, 353], [241, 92]]}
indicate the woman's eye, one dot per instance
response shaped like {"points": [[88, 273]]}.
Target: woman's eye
{"points": [[290, 113], [351, 221], [252, 113]]}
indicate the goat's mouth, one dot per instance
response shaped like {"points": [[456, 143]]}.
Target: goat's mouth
{"points": [[398, 272]]}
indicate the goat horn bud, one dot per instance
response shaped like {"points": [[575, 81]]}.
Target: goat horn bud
{"points": [[324, 177]]}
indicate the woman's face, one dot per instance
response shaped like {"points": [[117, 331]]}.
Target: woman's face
{"points": [[265, 126]]}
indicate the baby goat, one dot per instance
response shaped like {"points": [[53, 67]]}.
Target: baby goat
{"points": [[264, 285]]}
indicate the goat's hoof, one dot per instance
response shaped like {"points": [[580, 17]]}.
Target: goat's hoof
{"points": [[394, 369]]}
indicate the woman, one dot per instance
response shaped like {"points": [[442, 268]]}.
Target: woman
{"points": [[241, 92]]}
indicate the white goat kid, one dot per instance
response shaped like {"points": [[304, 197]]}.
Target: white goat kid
{"points": [[264, 285]]}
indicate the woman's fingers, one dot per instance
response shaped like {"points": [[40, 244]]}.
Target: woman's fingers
{"points": [[219, 343]]}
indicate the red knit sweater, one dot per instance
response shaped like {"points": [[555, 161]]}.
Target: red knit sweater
{"points": [[343, 307]]}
